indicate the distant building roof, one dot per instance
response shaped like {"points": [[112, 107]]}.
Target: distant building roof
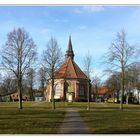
{"points": [[100, 90]]}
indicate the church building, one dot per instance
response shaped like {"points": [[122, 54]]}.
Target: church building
{"points": [[71, 84]]}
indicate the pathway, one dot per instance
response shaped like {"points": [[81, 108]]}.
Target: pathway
{"points": [[73, 123]]}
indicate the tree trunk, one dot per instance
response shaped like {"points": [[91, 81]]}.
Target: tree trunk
{"points": [[118, 96], [88, 96], [52, 94], [138, 98], [113, 98], [122, 89], [31, 94], [127, 98], [20, 93], [96, 90]]}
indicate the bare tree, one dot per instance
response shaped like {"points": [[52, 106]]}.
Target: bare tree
{"points": [[8, 85], [30, 77], [96, 82], [133, 81], [113, 84], [42, 78], [52, 58], [88, 71], [120, 57], [136, 75], [18, 54]]}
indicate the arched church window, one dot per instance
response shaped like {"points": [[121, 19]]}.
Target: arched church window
{"points": [[81, 90], [58, 90]]}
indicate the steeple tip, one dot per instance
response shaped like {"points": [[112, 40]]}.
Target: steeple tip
{"points": [[70, 37], [70, 44], [69, 52]]}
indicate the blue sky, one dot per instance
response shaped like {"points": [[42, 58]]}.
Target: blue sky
{"points": [[92, 28]]}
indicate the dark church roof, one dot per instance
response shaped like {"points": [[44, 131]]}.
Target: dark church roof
{"points": [[69, 69]]}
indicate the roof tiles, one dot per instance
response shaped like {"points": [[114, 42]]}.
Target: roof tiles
{"points": [[69, 69]]}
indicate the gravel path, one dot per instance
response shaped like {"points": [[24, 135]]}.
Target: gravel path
{"points": [[73, 123]]}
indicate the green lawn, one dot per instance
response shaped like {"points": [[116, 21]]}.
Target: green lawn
{"points": [[39, 118], [35, 118], [109, 119]]}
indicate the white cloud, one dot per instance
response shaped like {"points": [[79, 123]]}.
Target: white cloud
{"points": [[89, 9], [82, 27], [46, 31]]}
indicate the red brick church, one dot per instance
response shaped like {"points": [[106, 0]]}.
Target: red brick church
{"points": [[70, 81]]}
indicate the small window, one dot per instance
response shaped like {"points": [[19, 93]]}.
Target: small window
{"points": [[81, 90]]}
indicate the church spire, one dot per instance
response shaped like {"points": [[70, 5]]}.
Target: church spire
{"points": [[69, 52]]}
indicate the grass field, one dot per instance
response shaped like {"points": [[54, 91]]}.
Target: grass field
{"points": [[35, 118], [38, 118], [109, 119]]}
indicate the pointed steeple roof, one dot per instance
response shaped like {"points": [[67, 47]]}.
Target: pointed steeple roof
{"points": [[69, 52], [70, 70]]}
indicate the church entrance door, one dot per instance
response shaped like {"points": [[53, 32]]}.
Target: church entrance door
{"points": [[69, 97]]}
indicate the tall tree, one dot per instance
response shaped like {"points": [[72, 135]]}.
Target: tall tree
{"points": [[52, 58], [18, 54], [30, 77], [113, 84], [136, 70], [42, 78], [8, 85], [96, 82], [120, 57], [133, 80], [88, 71]]}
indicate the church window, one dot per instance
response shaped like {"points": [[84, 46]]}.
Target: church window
{"points": [[81, 90], [58, 90]]}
